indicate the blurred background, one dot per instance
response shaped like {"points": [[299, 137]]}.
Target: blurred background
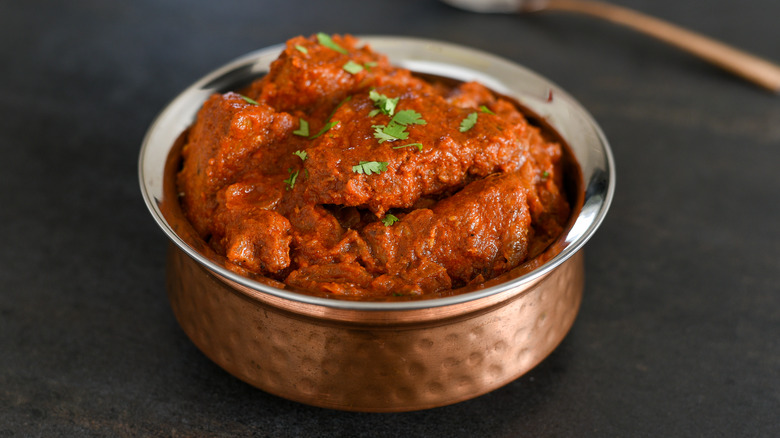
{"points": [[678, 331]]}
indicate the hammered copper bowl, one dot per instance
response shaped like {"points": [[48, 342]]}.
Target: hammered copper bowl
{"points": [[382, 356]]}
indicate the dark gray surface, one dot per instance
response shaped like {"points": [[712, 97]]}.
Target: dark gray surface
{"points": [[679, 331]]}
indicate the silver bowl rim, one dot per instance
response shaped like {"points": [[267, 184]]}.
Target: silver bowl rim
{"points": [[417, 54]]}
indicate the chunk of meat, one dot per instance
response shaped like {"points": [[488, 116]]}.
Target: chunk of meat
{"points": [[231, 137], [309, 76], [347, 279], [259, 242], [478, 232], [448, 159], [319, 238]]}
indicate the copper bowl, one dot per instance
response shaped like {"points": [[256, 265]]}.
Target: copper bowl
{"points": [[383, 356]]}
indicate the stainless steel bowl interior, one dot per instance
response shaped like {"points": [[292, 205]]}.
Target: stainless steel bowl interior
{"points": [[538, 94]]}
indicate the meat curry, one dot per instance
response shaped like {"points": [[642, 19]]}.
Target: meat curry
{"points": [[341, 175]]}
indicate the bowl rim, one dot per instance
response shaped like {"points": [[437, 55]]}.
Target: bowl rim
{"points": [[420, 55]]}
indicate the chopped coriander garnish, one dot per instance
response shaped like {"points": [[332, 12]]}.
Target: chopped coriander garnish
{"points": [[468, 122], [408, 117], [389, 219], [485, 109], [353, 67], [546, 174], [384, 104], [370, 64], [391, 132], [396, 129], [301, 154], [369, 167], [249, 100], [326, 41], [324, 129], [301, 49], [419, 146], [303, 128], [291, 180]]}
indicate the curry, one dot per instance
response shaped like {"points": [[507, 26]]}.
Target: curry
{"points": [[339, 174]]}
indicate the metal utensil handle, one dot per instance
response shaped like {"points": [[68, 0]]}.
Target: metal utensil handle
{"points": [[750, 67]]}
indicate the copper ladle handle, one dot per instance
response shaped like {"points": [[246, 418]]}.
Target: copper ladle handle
{"points": [[757, 70]]}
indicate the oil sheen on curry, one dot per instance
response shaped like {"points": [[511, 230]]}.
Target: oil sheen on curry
{"points": [[339, 174]]}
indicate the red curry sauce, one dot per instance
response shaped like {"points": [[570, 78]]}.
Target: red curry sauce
{"points": [[463, 191]]}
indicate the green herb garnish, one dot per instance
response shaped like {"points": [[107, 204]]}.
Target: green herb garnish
{"points": [[546, 174], [249, 100], [326, 41], [391, 132], [301, 154], [389, 219], [290, 181], [408, 117], [384, 104], [353, 67], [301, 49], [485, 109], [324, 129], [303, 128], [468, 122], [369, 167], [370, 64], [419, 146], [396, 129]]}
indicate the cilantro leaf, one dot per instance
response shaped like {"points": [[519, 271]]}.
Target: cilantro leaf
{"points": [[352, 67], [408, 117], [389, 219], [369, 167], [249, 100], [324, 129], [396, 131], [419, 146], [328, 42], [301, 154], [291, 180], [391, 132], [485, 109], [380, 135], [301, 49], [303, 128], [383, 103], [468, 122]]}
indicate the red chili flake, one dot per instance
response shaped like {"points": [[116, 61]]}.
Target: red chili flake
{"points": [[550, 95]]}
